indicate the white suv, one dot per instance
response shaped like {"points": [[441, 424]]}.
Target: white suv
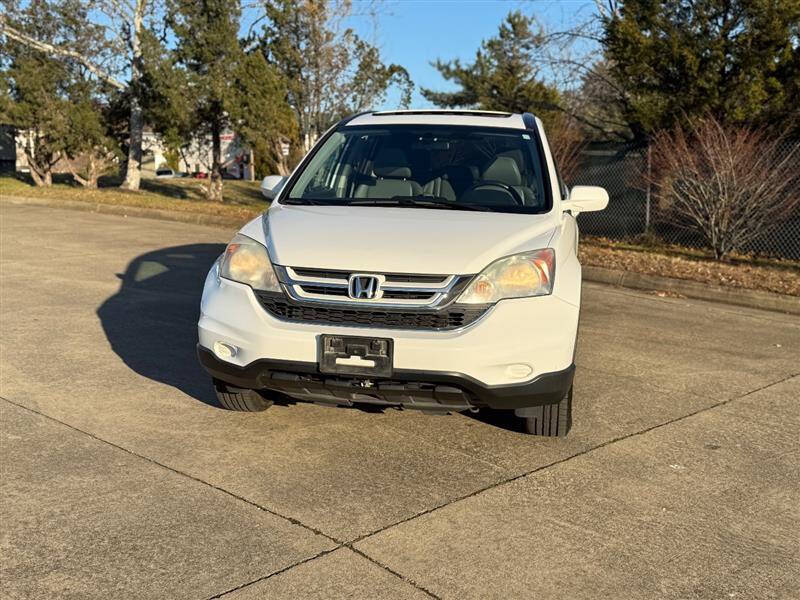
{"points": [[423, 259]]}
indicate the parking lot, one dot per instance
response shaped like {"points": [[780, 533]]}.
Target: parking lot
{"points": [[121, 478]]}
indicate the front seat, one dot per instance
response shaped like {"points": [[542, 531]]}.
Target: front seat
{"points": [[505, 170], [392, 177], [456, 179]]}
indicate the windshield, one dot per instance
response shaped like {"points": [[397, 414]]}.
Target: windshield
{"points": [[426, 166]]}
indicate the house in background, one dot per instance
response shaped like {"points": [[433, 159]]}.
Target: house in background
{"points": [[196, 157], [237, 158]]}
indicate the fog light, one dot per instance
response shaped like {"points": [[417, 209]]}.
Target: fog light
{"points": [[518, 371], [225, 351]]}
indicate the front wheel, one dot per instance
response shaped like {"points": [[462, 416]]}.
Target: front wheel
{"points": [[550, 420], [240, 399]]}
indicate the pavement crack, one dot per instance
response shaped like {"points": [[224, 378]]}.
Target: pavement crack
{"points": [[615, 440], [292, 520], [274, 573], [386, 568]]}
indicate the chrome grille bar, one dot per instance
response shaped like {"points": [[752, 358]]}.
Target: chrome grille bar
{"points": [[396, 289]]}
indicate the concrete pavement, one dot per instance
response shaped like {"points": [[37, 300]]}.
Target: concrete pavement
{"points": [[122, 478]]}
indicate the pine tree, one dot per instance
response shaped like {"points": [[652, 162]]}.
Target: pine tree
{"points": [[738, 60], [504, 75], [225, 87]]}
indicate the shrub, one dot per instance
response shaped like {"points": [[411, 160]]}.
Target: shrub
{"points": [[730, 184]]}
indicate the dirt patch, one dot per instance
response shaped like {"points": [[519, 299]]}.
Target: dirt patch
{"points": [[782, 277]]}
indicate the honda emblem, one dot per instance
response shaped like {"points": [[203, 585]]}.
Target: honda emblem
{"points": [[362, 287]]}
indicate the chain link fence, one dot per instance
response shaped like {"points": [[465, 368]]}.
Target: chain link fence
{"points": [[632, 209]]}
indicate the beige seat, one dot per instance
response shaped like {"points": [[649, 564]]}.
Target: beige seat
{"points": [[392, 177], [505, 169]]}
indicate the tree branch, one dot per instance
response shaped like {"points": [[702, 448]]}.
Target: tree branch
{"points": [[53, 50]]}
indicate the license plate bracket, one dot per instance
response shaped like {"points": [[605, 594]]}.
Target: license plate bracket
{"points": [[353, 355]]}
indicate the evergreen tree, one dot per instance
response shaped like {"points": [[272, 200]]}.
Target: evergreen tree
{"points": [[55, 100], [114, 29], [738, 60], [225, 87], [504, 75]]}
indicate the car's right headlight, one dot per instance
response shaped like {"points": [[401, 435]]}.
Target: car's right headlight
{"points": [[247, 261], [517, 276]]}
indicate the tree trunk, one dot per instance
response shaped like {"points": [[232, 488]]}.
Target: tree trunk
{"points": [[41, 173], [133, 174], [92, 173], [215, 178], [39, 179]]}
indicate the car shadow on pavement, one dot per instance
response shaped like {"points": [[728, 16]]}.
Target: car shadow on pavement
{"points": [[151, 322]]}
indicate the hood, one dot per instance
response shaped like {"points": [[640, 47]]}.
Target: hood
{"points": [[400, 240]]}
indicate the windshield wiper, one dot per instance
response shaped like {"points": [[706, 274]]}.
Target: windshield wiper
{"points": [[308, 201], [419, 201]]}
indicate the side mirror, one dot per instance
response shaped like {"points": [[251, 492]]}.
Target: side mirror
{"points": [[272, 185], [585, 198]]}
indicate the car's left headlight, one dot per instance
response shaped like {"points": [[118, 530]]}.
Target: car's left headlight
{"points": [[516, 276], [247, 261]]}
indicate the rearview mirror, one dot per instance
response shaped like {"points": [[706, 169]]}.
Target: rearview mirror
{"points": [[585, 198], [272, 185]]}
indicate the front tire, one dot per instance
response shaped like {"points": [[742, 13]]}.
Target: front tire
{"points": [[240, 399], [551, 420]]}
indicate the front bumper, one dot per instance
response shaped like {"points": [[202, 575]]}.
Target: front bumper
{"points": [[427, 390], [514, 343]]}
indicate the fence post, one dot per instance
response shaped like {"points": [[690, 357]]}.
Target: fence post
{"points": [[647, 205]]}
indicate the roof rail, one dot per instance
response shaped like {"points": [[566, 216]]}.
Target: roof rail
{"points": [[349, 118], [472, 113], [529, 120]]}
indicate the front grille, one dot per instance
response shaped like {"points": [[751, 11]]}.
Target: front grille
{"points": [[309, 288], [447, 318], [406, 291]]}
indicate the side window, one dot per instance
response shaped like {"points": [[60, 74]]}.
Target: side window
{"points": [[325, 175], [319, 176]]}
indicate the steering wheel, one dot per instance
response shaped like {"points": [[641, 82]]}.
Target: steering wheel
{"points": [[513, 192]]}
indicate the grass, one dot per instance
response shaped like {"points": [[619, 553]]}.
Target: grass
{"points": [[243, 199], [746, 272]]}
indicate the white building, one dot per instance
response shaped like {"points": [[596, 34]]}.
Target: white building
{"points": [[236, 157], [197, 156]]}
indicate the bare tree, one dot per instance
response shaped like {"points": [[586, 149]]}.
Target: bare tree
{"points": [[575, 66], [566, 141], [730, 184], [329, 70]]}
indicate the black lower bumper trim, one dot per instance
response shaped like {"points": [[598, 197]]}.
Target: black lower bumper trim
{"points": [[423, 389]]}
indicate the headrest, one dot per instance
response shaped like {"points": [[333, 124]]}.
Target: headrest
{"points": [[391, 162], [460, 173], [505, 170]]}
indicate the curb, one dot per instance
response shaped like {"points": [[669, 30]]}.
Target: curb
{"points": [[694, 289], [130, 211], [628, 279]]}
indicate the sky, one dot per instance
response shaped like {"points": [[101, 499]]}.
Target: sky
{"points": [[416, 32]]}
